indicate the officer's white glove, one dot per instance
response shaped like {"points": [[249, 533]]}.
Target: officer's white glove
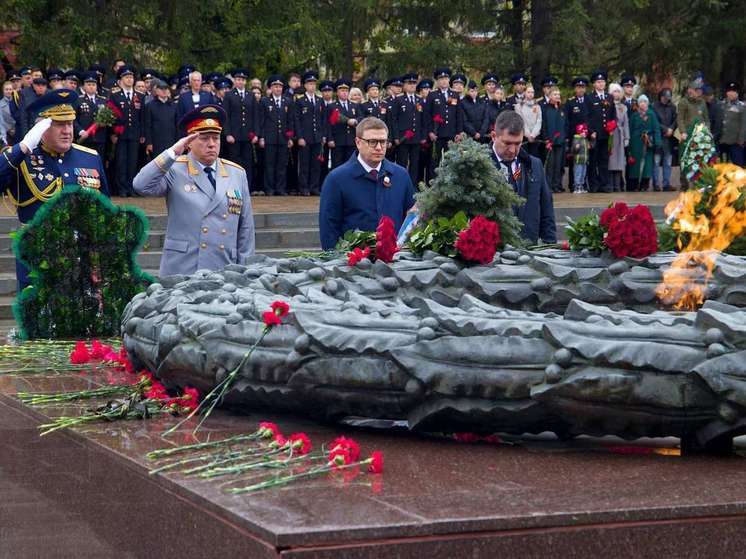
{"points": [[33, 136]]}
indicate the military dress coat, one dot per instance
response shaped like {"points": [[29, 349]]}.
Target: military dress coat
{"points": [[207, 228]]}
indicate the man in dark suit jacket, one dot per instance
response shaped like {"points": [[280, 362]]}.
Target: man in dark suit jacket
{"points": [[276, 133], [193, 98], [241, 125], [343, 116], [85, 115], [526, 174], [601, 111], [310, 132], [128, 129], [365, 188]]}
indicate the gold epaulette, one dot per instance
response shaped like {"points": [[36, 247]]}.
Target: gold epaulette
{"points": [[232, 164], [182, 159], [85, 149]]}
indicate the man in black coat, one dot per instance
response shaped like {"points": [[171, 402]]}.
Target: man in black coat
{"points": [[407, 126], [85, 115], [128, 129], [309, 130], [342, 116], [160, 120], [600, 113], [473, 112], [445, 119], [241, 123], [276, 133], [326, 88]]}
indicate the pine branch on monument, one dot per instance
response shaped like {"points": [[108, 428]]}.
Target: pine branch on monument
{"points": [[468, 181]]}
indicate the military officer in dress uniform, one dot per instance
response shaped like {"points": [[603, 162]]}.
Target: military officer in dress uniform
{"points": [[424, 86], [210, 224], [72, 80], [407, 127], [55, 78], [85, 110], [241, 126], [374, 106], [128, 129], [276, 133], [326, 88], [309, 130], [601, 111], [628, 83], [519, 81], [343, 117], [490, 83], [46, 159], [445, 119]]}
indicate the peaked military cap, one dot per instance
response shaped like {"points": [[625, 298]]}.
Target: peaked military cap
{"points": [[90, 77], [275, 79], [518, 77], [72, 75], [627, 79], [387, 83], [310, 76], [208, 118], [125, 70], [598, 75], [212, 77], [425, 84], [14, 75], [458, 78], [732, 86], [490, 77], [240, 73], [396, 81], [40, 81], [58, 104], [223, 83], [25, 70], [371, 82], [549, 81], [326, 85], [473, 84], [148, 74], [410, 77], [580, 81], [98, 68], [443, 72], [343, 83], [186, 69], [55, 74]]}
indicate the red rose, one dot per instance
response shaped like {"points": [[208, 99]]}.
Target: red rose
{"points": [[386, 246], [280, 308], [300, 443], [251, 136], [80, 354], [437, 119], [376, 462], [479, 241], [118, 129], [347, 444], [270, 319], [357, 255], [630, 232], [408, 135], [334, 117]]}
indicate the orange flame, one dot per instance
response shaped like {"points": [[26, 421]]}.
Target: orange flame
{"points": [[684, 284]]}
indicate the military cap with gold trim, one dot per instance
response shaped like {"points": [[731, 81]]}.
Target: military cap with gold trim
{"points": [[208, 118], [57, 104]]}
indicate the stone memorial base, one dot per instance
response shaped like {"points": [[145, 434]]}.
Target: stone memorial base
{"points": [[87, 493]]}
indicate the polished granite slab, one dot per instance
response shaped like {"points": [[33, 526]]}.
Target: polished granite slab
{"points": [[86, 493]]}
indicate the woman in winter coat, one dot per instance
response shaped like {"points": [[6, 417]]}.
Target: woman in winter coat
{"points": [[530, 112], [644, 137], [554, 132], [619, 139]]}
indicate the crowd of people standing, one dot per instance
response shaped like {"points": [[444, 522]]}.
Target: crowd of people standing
{"points": [[288, 132]]}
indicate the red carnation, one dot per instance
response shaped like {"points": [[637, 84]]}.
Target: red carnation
{"points": [[386, 246], [437, 119], [156, 391], [251, 136], [301, 443], [610, 126], [339, 457], [118, 129], [280, 308], [565, 245], [115, 109], [479, 241], [350, 445], [289, 134], [270, 319], [268, 430], [334, 117], [80, 354], [557, 134], [99, 350], [279, 441], [548, 145], [376, 462], [631, 160], [320, 157], [189, 398], [408, 134], [357, 255]]}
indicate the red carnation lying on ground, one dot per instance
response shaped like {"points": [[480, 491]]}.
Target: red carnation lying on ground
{"points": [[80, 354], [376, 462], [629, 232], [301, 443], [386, 246], [479, 241], [350, 445], [280, 308], [357, 255]]}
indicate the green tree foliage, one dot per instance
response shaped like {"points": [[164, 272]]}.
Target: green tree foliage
{"points": [[468, 181], [388, 37]]}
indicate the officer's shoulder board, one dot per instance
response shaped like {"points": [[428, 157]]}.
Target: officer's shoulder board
{"points": [[85, 149], [232, 164], [182, 159]]}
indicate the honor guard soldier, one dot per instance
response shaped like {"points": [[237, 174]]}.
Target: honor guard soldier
{"points": [[473, 112], [628, 83], [326, 88], [424, 86], [519, 81], [601, 111], [343, 117], [241, 126], [210, 224], [276, 133], [445, 119], [46, 159], [490, 83], [407, 127], [128, 129], [310, 130], [86, 109]]}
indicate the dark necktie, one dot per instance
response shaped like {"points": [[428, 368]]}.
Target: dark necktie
{"points": [[129, 97], [209, 171], [411, 99], [374, 174], [241, 94], [345, 105]]}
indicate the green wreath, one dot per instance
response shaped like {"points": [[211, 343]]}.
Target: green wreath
{"points": [[81, 252]]}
